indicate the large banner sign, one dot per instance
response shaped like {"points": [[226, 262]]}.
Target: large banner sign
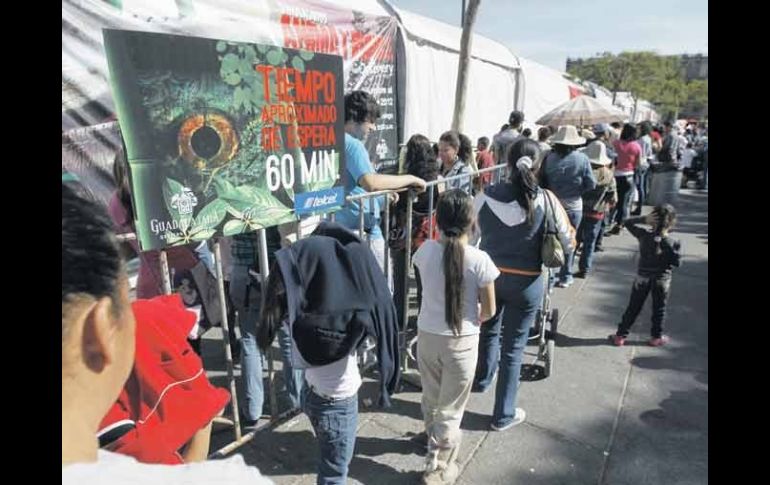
{"points": [[223, 137], [90, 137], [367, 44]]}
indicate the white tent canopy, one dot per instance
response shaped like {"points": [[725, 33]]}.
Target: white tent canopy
{"points": [[432, 54], [499, 81], [544, 89]]}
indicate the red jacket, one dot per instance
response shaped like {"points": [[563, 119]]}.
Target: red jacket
{"points": [[167, 396]]}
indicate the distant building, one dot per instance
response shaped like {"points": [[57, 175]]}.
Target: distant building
{"points": [[694, 67]]}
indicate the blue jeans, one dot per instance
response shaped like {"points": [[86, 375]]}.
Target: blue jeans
{"points": [[565, 275], [518, 299], [625, 192], [245, 294], [334, 422], [601, 231], [293, 378], [591, 229]]}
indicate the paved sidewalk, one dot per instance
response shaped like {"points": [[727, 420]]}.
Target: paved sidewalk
{"points": [[621, 416]]}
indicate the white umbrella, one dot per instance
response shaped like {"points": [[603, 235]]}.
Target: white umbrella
{"points": [[579, 111]]}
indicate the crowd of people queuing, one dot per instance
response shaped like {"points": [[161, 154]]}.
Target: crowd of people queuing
{"points": [[479, 279]]}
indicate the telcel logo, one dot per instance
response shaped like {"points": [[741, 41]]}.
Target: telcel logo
{"points": [[312, 202], [321, 200]]}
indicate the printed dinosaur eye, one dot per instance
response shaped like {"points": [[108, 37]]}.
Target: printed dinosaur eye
{"points": [[207, 140]]}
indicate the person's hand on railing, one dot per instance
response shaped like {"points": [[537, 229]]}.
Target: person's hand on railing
{"points": [[417, 184], [393, 197]]}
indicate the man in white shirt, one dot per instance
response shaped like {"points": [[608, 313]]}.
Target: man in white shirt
{"points": [[98, 343]]}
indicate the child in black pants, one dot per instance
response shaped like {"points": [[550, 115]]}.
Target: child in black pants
{"points": [[658, 254]]}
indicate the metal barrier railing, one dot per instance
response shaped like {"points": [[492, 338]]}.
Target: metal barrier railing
{"points": [[410, 194], [275, 415]]}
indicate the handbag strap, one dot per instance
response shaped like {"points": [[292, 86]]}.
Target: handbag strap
{"points": [[550, 222]]}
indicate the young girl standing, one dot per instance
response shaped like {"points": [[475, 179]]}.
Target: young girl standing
{"points": [[455, 277], [658, 255]]}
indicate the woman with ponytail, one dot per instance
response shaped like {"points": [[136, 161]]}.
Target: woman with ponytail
{"points": [[512, 223], [658, 255], [455, 278]]}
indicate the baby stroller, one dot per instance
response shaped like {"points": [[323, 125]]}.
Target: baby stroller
{"points": [[544, 329]]}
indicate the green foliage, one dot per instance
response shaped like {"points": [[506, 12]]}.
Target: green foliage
{"points": [[646, 75]]}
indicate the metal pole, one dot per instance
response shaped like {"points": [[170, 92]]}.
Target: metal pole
{"points": [[430, 212], [372, 218], [222, 452], [387, 233], [226, 338], [361, 218], [264, 271], [407, 266], [164, 272], [462, 16]]}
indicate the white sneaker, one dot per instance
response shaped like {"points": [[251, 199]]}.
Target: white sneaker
{"points": [[519, 418]]}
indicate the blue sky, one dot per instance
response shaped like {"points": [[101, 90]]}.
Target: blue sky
{"points": [[549, 31]]}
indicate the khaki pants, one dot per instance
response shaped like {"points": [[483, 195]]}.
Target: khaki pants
{"points": [[447, 367]]}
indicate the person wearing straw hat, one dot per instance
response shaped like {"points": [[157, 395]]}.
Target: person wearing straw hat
{"points": [[588, 135], [595, 203], [567, 173]]}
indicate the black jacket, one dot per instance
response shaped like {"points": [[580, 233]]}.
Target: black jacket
{"points": [[337, 295], [652, 265]]}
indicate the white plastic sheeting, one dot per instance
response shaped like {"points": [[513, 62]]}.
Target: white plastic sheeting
{"points": [[544, 89], [432, 51], [448, 36], [645, 111], [85, 77]]}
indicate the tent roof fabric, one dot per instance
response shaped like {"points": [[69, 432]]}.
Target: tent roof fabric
{"points": [[448, 36]]}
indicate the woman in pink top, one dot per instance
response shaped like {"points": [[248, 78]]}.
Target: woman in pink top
{"points": [[628, 155]]}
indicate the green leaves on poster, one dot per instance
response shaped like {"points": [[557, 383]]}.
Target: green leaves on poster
{"points": [[232, 78], [253, 208], [234, 227], [249, 56], [230, 62], [306, 55], [237, 70], [239, 97], [225, 189], [180, 202], [298, 64], [275, 57], [203, 235], [210, 216]]}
